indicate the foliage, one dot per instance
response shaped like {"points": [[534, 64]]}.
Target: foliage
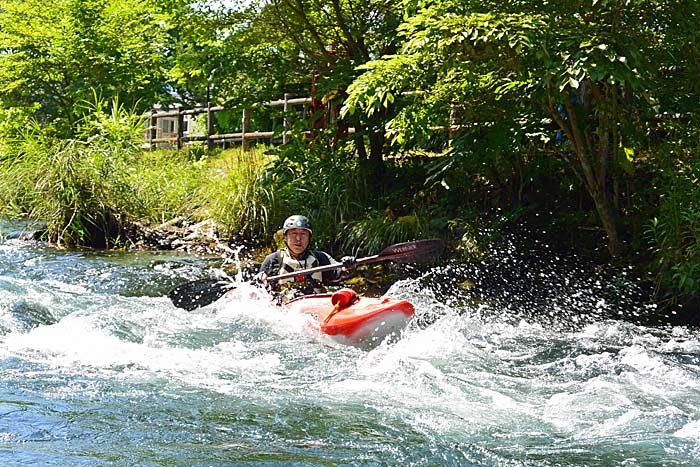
{"points": [[56, 53], [76, 185], [166, 185], [13, 122], [216, 59], [373, 233], [675, 232], [317, 181], [243, 55], [90, 189], [350, 212], [260, 50], [518, 73]]}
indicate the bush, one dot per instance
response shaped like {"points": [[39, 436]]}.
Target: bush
{"points": [[675, 232], [316, 180], [234, 198]]}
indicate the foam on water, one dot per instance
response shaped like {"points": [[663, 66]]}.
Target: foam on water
{"points": [[470, 382]]}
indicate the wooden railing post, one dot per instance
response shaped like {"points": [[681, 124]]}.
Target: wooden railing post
{"points": [[286, 125], [153, 130], [180, 128], [245, 126], [210, 127]]}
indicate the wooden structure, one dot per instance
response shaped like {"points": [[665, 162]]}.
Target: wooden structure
{"points": [[174, 133]]}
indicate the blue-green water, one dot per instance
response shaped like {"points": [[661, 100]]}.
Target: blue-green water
{"points": [[97, 368]]}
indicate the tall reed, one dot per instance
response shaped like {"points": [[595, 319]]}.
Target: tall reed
{"points": [[91, 189], [234, 198]]}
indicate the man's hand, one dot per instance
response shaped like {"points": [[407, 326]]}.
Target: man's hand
{"points": [[260, 278], [348, 263]]}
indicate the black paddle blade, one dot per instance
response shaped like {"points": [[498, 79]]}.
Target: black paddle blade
{"points": [[199, 293], [413, 252]]}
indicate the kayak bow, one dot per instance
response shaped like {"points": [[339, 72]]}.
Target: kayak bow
{"points": [[350, 319]]}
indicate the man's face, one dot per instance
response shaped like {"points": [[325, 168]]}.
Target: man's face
{"points": [[298, 240]]}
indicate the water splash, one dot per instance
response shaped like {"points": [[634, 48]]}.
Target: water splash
{"points": [[483, 377]]}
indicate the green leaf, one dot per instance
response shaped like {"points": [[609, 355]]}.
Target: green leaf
{"points": [[625, 160], [629, 153]]}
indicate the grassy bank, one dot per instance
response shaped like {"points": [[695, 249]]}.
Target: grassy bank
{"points": [[101, 187]]}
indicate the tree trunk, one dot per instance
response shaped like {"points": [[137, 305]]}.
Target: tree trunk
{"points": [[593, 152], [372, 163], [597, 185], [376, 159], [360, 143], [609, 218]]}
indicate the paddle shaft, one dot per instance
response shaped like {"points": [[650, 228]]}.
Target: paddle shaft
{"points": [[422, 248], [202, 292], [327, 267]]}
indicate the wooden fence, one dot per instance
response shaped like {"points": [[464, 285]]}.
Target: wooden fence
{"points": [[159, 136], [175, 136]]}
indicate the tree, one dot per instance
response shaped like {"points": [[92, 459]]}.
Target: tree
{"points": [[276, 45], [54, 55], [592, 70], [334, 38]]}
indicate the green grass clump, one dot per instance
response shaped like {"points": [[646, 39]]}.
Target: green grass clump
{"points": [[233, 197], [91, 189], [101, 187]]}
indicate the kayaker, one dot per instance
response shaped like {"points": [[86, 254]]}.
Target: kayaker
{"points": [[297, 256]]}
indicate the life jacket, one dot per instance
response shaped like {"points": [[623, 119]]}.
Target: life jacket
{"points": [[306, 283]]}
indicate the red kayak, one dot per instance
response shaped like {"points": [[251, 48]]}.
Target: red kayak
{"points": [[350, 319]]}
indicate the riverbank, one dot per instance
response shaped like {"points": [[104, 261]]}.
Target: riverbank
{"points": [[197, 202]]}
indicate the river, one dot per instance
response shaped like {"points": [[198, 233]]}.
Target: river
{"points": [[98, 368]]}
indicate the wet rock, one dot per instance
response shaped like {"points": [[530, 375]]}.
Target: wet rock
{"points": [[30, 315], [181, 235]]}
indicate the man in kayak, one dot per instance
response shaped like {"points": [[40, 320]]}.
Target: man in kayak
{"points": [[298, 256]]}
